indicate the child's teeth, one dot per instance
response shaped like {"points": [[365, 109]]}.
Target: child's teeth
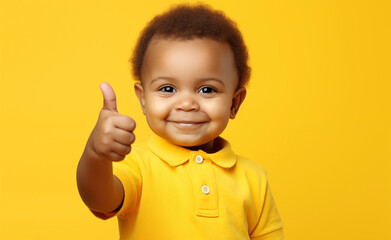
{"points": [[186, 124]]}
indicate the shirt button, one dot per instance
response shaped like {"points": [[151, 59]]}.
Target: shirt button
{"points": [[199, 159], [205, 189]]}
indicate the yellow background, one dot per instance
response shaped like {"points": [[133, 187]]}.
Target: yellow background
{"points": [[317, 115]]}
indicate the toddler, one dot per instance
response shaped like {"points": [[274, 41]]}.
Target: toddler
{"points": [[186, 182]]}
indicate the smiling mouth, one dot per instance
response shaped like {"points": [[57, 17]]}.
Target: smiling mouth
{"points": [[187, 124]]}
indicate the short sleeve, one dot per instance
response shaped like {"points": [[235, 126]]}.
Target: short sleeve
{"points": [[269, 225], [128, 172]]}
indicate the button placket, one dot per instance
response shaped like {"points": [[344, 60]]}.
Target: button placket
{"points": [[204, 186]]}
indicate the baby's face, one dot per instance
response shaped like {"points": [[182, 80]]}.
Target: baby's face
{"points": [[189, 89]]}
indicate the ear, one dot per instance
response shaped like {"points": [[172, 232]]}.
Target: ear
{"points": [[237, 100], [139, 90]]}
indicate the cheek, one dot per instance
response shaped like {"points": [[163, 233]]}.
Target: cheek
{"points": [[218, 110], [157, 108]]}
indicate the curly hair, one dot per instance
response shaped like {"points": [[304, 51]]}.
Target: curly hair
{"points": [[189, 22]]}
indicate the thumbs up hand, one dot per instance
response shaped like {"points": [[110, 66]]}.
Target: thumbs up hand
{"points": [[113, 135]]}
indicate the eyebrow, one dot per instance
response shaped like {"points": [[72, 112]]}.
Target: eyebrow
{"points": [[162, 77], [174, 79]]}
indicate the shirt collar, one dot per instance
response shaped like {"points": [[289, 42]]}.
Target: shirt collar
{"points": [[176, 155]]}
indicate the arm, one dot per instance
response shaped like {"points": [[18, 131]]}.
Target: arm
{"points": [[110, 141], [268, 225]]}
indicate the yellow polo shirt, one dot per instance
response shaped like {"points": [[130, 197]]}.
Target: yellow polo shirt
{"points": [[174, 193]]}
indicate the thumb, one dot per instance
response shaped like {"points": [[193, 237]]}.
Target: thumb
{"points": [[109, 99]]}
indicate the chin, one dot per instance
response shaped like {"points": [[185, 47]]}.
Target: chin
{"points": [[187, 141]]}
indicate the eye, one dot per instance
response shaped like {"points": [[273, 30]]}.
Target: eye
{"points": [[169, 89], [206, 90]]}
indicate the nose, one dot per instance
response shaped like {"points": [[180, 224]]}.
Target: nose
{"points": [[187, 102]]}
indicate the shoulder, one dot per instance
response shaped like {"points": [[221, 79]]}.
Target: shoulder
{"points": [[139, 151], [243, 164], [142, 157], [253, 170], [250, 164], [134, 159], [140, 148]]}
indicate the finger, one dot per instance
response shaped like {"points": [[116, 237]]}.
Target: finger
{"points": [[109, 98], [115, 156], [120, 149], [124, 137], [124, 122]]}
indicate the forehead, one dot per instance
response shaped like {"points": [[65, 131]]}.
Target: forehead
{"points": [[175, 42], [188, 58]]}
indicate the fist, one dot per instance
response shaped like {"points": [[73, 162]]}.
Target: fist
{"points": [[113, 135]]}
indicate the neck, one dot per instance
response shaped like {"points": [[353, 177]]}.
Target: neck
{"points": [[208, 147]]}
